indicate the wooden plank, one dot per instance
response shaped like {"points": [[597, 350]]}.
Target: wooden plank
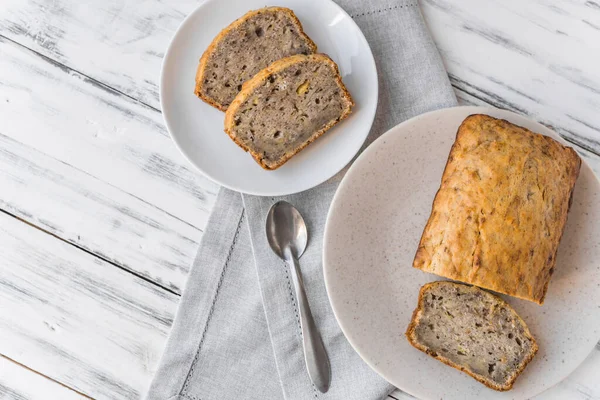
{"points": [[72, 317], [88, 126], [538, 58], [544, 63], [20, 383], [112, 183], [88, 36], [95, 216]]}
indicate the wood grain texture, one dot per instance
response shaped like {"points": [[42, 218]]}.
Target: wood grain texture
{"points": [[118, 42], [76, 319], [94, 166], [96, 216], [19, 383], [539, 58], [88, 126], [112, 182]]}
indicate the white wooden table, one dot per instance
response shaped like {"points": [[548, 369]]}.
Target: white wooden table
{"points": [[101, 217]]}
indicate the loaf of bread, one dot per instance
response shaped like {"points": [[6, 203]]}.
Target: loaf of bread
{"points": [[473, 331], [286, 106], [499, 214], [245, 47]]}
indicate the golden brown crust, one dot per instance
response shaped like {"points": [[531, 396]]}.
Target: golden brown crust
{"points": [[499, 214], [213, 45], [249, 86], [411, 337]]}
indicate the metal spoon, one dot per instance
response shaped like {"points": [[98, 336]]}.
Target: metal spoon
{"points": [[287, 235]]}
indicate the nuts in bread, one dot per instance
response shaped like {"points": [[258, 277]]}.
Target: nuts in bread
{"points": [[287, 106], [245, 47], [473, 331]]}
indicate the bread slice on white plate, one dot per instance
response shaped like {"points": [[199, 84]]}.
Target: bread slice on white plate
{"points": [[245, 47], [287, 106], [472, 330]]}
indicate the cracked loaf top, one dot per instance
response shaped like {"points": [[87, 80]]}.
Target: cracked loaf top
{"points": [[499, 214]]}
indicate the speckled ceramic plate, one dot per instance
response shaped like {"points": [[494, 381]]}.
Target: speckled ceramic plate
{"points": [[372, 232]]}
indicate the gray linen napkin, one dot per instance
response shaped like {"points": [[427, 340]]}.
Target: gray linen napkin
{"points": [[237, 332]]}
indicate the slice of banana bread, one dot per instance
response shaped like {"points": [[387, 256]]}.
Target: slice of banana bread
{"points": [[473, 331], [245, 47], [286, 106]]}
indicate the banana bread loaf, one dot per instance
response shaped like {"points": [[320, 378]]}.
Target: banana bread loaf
{"points": [[499, 214]]}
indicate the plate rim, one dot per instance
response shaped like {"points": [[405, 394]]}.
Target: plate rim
{"points": [[372, 110], [344, 181]]}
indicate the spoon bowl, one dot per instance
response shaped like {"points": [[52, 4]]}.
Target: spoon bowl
{"points": [[286, 229]]}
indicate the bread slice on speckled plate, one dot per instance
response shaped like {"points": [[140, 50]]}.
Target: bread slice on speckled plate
{"points": [[473, 331]]}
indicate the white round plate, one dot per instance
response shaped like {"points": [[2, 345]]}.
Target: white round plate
{"points": [[372, 232], [197, 128]]}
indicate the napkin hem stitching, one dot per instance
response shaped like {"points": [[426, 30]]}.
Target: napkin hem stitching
{"points": [[210, 313], [383, 10], [287, 276], [299, 327]]}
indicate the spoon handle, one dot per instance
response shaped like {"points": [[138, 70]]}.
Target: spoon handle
{"points": [[315, 356]]}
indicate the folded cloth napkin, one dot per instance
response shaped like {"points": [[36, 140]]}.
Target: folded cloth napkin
{"points": [[237, 330]]}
